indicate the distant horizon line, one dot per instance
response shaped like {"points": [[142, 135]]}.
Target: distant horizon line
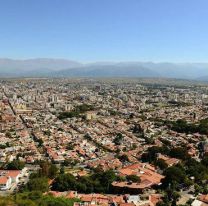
{"points": [[103, 61]]}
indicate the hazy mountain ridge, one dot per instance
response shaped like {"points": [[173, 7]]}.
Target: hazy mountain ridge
{"points": [[11, 67], [140, 69], [67, 68], [109, 71], [204, 78]]}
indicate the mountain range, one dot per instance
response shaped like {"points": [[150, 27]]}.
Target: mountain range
{"points": [[46, 67]]}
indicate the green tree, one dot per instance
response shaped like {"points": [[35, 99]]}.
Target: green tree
{"points": [[38, 184], [123, 158], [98, 182], [161, 164], [133, 178], [180, 153], [173, 177], [118, 139], [15, 165], [48, 169], [64, 182], [62, 170]]}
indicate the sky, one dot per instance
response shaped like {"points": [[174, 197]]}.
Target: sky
{"points": [[105, 30]]}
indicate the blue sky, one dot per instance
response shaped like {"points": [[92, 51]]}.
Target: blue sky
{"points": [[105, 30]]}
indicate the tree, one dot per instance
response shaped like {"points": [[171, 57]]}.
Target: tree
{"points": [[180, 153], [38, 184], [60, 201], [83, 108], [62, 170], [175, 198], [65, 115], [53, 170], [173, 177], [205, 161], [70, 146], [8, 134], [161, 203], [47, 132], [117, 140], [3, 146], [64, 182], [196, 169], [133, 178], [15, 165], [105, 178], [7, 201], [99, 182], [161, 164], [134, 146], [68, 162], [123, 158], [36, 199], [151, 154], [88, 137], [137, 129], [48, 170]]}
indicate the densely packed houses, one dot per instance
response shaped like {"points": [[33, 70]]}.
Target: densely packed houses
{"points": [[98, 124]]}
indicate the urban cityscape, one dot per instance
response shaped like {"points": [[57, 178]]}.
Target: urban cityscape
{"points": [[105, 141], [103, 103]]}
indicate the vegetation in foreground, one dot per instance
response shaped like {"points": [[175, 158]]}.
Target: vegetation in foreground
{"points": [[35, 198]]}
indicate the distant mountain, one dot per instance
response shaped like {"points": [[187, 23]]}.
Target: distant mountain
{"points": [[115, 70], [204, 78], [139, 69], [31, 67], [181, 70], [67, 68]]}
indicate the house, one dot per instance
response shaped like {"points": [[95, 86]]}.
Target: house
{"points": [[7, 177], [154, 199], [5, 183], [147, 174], [203, 198], [198, 203], [94, 199], [168, 160], [133, 199], [90, 115], [126, 204]]}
